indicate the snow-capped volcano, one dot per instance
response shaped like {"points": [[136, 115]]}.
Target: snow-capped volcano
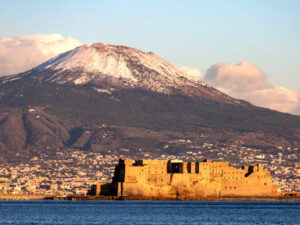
{"points": [[114, 65], [142, 100]]}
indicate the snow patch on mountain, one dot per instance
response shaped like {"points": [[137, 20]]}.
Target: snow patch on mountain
{"points": [[101, 90], [90, 60]]}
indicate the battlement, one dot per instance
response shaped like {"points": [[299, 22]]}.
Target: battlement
{"points": [[178, 166]]}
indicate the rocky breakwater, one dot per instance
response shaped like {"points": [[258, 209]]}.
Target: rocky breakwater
{"points": [[22, 197]]}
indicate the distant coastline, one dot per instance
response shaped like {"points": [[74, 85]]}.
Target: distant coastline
{"points": [[286, 196]]}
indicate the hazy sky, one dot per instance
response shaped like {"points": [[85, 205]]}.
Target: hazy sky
{"points": [[186, 33]]}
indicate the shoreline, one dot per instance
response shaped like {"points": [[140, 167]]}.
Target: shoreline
{"points": [[116, 198]]}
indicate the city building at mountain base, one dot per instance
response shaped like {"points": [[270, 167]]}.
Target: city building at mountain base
{"points": [[175, 179]]}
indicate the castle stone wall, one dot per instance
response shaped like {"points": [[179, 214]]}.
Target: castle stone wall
{"points": [[192, 180]]}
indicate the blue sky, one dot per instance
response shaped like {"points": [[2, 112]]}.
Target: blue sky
{"points": [[186, 33]]}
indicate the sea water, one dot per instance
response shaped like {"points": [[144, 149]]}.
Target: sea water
{"points": [[148, 212]]}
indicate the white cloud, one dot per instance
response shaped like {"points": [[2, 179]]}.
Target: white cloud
{"points": [[18, 54], [241, 77], [246, 81], [191, 73]]}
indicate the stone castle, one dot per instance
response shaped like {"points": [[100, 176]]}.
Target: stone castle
{"points": [[175, 179]]}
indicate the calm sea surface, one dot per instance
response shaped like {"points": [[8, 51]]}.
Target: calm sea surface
{"points": [[148, 212]]}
